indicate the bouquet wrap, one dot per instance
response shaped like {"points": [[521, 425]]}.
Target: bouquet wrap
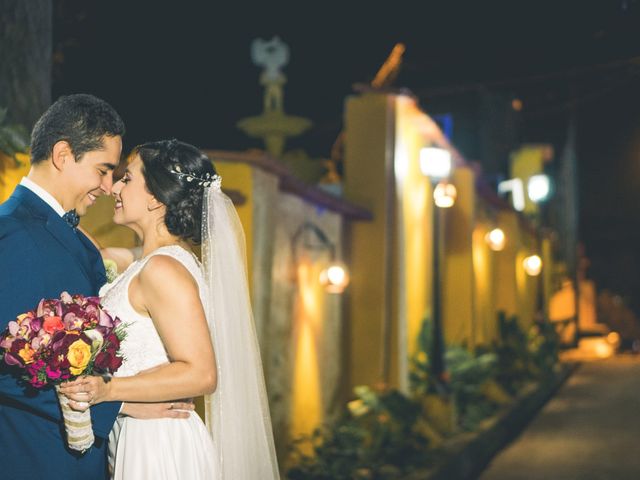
{"points": [[77, 425]]}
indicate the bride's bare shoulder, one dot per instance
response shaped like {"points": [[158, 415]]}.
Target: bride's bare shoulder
{"points": [[164, 284], [163, 269]]}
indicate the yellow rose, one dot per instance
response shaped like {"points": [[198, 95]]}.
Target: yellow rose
{"points": [[79, 355], [26, 353]]}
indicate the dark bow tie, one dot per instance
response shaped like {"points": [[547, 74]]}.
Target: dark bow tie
{"points": [[72, 218]]}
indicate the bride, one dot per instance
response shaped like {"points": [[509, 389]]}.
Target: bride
{"points": [[190, 328]]}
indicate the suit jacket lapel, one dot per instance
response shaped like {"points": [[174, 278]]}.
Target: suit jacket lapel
{"points": [[69, 240], [58, 228]]}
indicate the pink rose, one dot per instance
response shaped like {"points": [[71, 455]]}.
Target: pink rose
{"points": [[53, 374]]}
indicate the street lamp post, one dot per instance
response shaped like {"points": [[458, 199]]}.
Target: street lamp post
{"points": [[435, 163]]}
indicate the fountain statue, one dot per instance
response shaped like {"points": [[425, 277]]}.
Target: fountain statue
{"points": [[273, 126]]}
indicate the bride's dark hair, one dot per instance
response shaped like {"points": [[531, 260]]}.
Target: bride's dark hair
{"points": [[182, 198]]}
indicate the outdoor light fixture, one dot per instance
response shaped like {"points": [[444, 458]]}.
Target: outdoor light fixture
{"points": [[538, 188], [496, 239], [435, 162], [532, 265], [335, 277], [445, 194], [516, 188]]}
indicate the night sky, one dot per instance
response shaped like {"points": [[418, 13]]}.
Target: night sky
{"points": [[184, 70]]}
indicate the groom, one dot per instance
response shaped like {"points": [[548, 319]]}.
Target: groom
{"points": [[75, 146]]}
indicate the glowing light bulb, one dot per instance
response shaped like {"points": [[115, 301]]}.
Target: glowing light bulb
{"points": [[335, 278], [538, 188], [445, 195], [532, 265], [496, 239], [435, 162]]}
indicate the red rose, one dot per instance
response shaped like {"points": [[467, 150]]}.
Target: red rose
{"points": [[115, 363], [107, 362], [101, 361]]}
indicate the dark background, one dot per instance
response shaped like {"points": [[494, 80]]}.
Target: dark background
{"points": [[183, 69]]}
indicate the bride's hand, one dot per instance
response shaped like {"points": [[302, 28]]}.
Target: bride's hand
{"points": [[86, 391]]}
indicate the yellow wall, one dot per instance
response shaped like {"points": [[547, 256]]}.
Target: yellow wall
{"points": [[484, 266], [562, 305], [526, 162], [369, 124], [415, 218], [547, 273], [11, 174], [506, 287], [588, 317], [528, 286], [458, 281], [306, 398], [478, 282]]}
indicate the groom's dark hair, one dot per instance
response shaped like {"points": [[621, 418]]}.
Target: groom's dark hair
{"points": [[81, 119]]}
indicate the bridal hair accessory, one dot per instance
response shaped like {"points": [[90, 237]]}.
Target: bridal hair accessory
{"points": [[204, 181]]}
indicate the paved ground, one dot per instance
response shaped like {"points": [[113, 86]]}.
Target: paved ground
{"points": [[589, 431]]}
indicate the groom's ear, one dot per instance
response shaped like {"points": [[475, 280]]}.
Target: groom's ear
{"points": [[61, 153]]}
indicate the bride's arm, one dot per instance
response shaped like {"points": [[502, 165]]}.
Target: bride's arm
{"points": [[170, 295]]}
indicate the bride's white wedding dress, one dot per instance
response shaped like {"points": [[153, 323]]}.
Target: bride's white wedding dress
{"points": [[162, 448]]}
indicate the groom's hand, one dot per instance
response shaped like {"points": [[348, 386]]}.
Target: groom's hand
{"points": [[147, 411]]}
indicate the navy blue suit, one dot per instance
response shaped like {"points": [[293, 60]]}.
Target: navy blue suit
{"points": [[40, 257]]}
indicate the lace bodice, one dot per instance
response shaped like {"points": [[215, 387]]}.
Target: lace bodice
{"points": [[143, 348]]}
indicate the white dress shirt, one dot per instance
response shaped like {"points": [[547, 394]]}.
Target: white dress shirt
{"points": [[43, 194]]}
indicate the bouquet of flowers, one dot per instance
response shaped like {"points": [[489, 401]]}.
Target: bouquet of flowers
{"points": [[58, 341]]}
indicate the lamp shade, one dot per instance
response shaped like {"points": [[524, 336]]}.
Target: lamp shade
{"points": [[435, 162]]}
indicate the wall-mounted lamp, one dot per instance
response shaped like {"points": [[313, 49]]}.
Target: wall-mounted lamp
{"points": [[435, 163], [532, 265], [496, 239], [334, 278], [445, 194], [539, 188]]}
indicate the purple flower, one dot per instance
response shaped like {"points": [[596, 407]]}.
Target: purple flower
{"points": [[12, 359]]}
